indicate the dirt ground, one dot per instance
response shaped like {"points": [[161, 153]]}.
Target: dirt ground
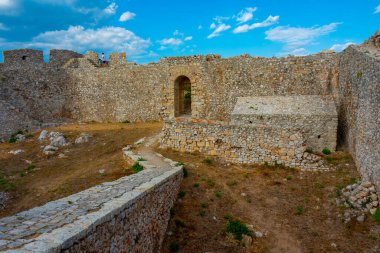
{"points": [[296, 211], [33, 178]]}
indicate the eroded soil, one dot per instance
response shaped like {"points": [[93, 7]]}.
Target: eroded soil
{"points": [[296, 210]]}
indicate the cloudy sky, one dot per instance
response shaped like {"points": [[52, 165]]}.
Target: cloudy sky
{"points": [[150, 29]]}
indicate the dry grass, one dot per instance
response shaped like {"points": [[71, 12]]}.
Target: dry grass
{"points": [[53, 178], [298, 210]]}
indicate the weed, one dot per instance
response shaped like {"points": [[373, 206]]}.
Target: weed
{"points": [[185, 173], [181, 194], [5, 185], [196, 185], [125, 122], [248, 199], [179, 223], [326, 151], [70, 202], [373, 237], [299, 210], [231, 183], [179, 164], [359, 74], [338, 191], [228, 216], [12, 139], [203, 204], [218, 194], [309, 150], [320, 185], [20, 218], [289, 178], [29, 136], [31, 168], [353, 180], [377, 215], [174, 247], [207, 161], [245, 175], [141, 159], [22, 174], [202, 213], [238, 229], [136, 168], [210, 182]]}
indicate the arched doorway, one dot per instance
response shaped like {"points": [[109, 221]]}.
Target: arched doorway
{"points": [[182, 96]]}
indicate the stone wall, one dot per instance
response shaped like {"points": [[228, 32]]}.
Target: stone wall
{"points": [[358, 100], [61, 56], [127, 215], [22, 57], [239, 143]]}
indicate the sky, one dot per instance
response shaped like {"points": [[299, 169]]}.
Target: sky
{"points": [[150, 29]]}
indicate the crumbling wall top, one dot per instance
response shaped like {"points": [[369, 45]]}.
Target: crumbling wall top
{"points": [[21, 56], [62, 56], [190, 59]]}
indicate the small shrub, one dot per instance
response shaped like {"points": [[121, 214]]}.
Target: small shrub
{"points": [[23, 174], [174, 247], [289, 178], [207, 161], [218, 194], [377, 215], [228, 216], [299, 210], [31, 168], [309, 150], [136, 168], [12, 139], [141, 159], [203, 204], [125, 122], [231, 183], [326, 151], [70, 202], [237, 229], [181, 194], [359, 74], [196, 185], [5, 185], [338, 191], [202, 213]]}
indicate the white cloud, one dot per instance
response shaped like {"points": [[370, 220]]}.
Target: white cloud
{"points": [[200, 27], [3, 27], [245, 15], [218, 30], [56, 2], [377, 9], [341, 47], [188, 38], [212, 26], [171, 42], [268, 22], [127, 16], [110, 9], [79, 39], [9, 7], [295, 37]]}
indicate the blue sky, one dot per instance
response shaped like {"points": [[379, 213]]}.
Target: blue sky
{"points": [[150, 29]]}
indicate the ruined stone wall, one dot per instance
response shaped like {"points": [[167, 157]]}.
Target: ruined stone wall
{"points": [[217, 83], [358, 100], [239, 143]]}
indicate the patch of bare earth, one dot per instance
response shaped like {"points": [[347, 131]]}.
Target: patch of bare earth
{"points": [[33, 178], [295, 210]]}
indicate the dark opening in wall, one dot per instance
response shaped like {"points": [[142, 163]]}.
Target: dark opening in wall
{"points": [[182, 96], [24, 57]]}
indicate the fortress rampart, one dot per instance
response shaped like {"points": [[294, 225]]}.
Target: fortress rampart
{"points": [[33, 92]]}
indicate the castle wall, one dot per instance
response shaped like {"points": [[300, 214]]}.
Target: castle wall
{"points": [[240, 143], [358, 100], [61, 56], [23, 57]]}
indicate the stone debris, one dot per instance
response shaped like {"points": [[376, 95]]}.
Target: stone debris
{"points": [[16, 152], [58, 141], [50, 150], [20, 137], [61, 155], [141, 141], [4, 197], [359, 198], [84, 137], [43, 135]]}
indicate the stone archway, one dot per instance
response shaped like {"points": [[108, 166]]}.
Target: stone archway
{"points": [[182, 96]]}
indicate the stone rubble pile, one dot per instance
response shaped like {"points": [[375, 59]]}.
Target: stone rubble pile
{"points": [[84, 137], [359, 198], [57, 139]]}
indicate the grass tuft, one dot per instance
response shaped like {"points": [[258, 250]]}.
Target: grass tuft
{"points": [[237, 229]]}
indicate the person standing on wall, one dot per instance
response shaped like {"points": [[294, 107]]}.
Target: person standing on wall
{"points": [[103, 59]]}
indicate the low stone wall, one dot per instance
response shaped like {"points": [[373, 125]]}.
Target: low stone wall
{"points": [[240, 143], [127, 215]]}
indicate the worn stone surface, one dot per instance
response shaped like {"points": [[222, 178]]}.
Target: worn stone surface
{"points": [[126, 215]]}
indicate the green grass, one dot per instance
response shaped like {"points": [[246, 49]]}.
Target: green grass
{"points": [[231, 183], [203, 204], [338, 191], [309, 150], [210, 182], [377, 215], [179, 164], [299, 210], [31, 168], [218, 194], [5, 185], [141, 159], [196, 185], [207, 161], [136, 168], [289, 178], [13, 138], [326, 151], [237, 229]]}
